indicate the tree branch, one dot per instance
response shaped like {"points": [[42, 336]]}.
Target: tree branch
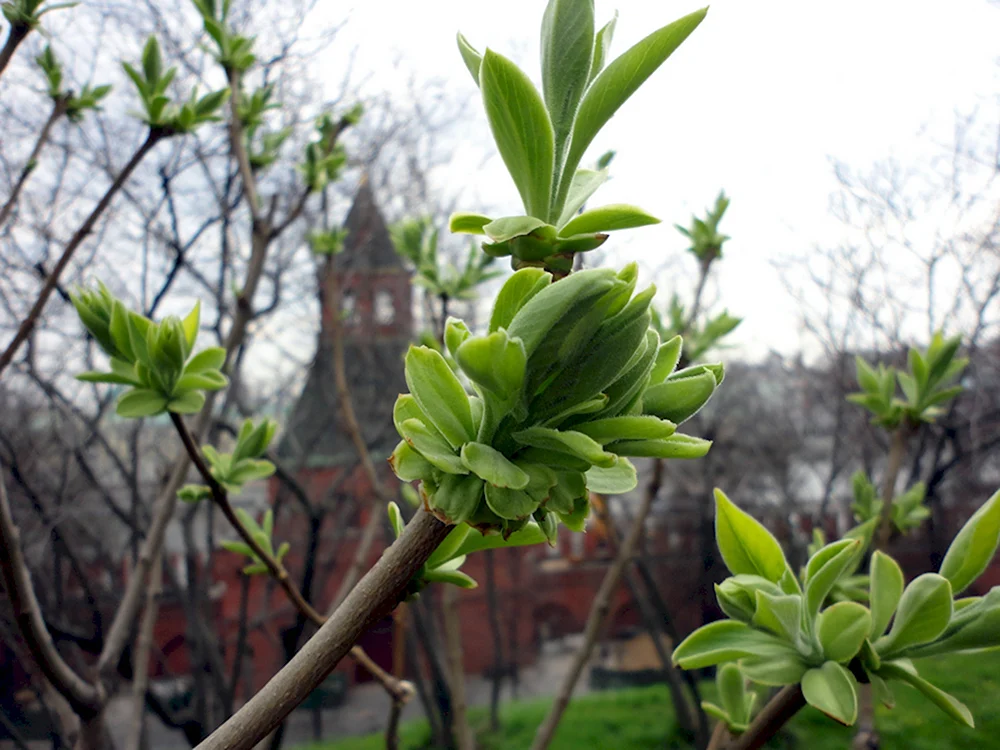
{"points": [[398, 690], [376, 594], [84, 697], [58, 110], [15, 36], [28, 324]]}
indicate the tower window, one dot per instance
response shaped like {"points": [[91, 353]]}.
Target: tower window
{"points": [[385, 308], [349, 307]]}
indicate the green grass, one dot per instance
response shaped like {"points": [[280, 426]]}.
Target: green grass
{"points": [[641, 719]]}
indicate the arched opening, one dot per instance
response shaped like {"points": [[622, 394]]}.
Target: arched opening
{"points": [[385, 307]]}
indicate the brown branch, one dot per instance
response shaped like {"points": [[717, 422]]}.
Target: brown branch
{"points": [[456, 669], [778, 711], [595, 619], [140, 663], [399, 690], [238, 148], [58, 110], [28, 324], [15, 36], [376, 594], [897, 454], [84, 697]]}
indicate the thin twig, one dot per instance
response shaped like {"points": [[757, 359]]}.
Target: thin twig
{"points": [[29, 322], [140, 664], [58, 110], [399, 690]]}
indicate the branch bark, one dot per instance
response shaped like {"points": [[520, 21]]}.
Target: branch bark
{"points": [[84, 697], [456, 667], [377, 594], [15, 36], [778, 711], [140, 679]]}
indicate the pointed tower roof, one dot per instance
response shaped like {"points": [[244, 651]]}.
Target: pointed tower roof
{"points": [[368, 245], [373, 356]]}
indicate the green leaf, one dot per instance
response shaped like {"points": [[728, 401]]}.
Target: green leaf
{"points": [[431, 446], [746, 546], [409, 465], [555, 303], [566, 441], [152, 67], [473, 60], [619, 81], [608, 219], [454, 577], [824, 578], [602, 47], [612, 480], [577, 520], [466, 223], [141, 402], [395, 519], [679, 400], [496, 362], [492, 466], [609, 430], [786, 669], [567, 53], [667, 357], [676, 446], [507, 228], [904, 672], [726, 640], [782, 615], [973, 547], [521, 129], [530, 535], [515, 293], [832, 690], [510, 504], [456, 498], [189, 402], [732, 691], [842, 629], [191, 323], [585, 183], [249, 470], [107, 377], [440, 395], [886, 589], [924, 612], [206, 380]]}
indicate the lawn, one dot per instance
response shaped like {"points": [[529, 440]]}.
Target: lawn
{"points": [[640, 719]]}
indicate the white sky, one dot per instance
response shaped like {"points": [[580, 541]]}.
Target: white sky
{"points": [[756, 101]]}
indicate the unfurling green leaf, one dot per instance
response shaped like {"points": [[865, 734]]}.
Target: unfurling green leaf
{"points": [[746, 546], [973, 547], [842, 628], [521, 128], [886, 589], [833, 690], [924, 612]]}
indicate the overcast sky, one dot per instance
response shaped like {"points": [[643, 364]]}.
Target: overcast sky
{"points": [[756, 101]]}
